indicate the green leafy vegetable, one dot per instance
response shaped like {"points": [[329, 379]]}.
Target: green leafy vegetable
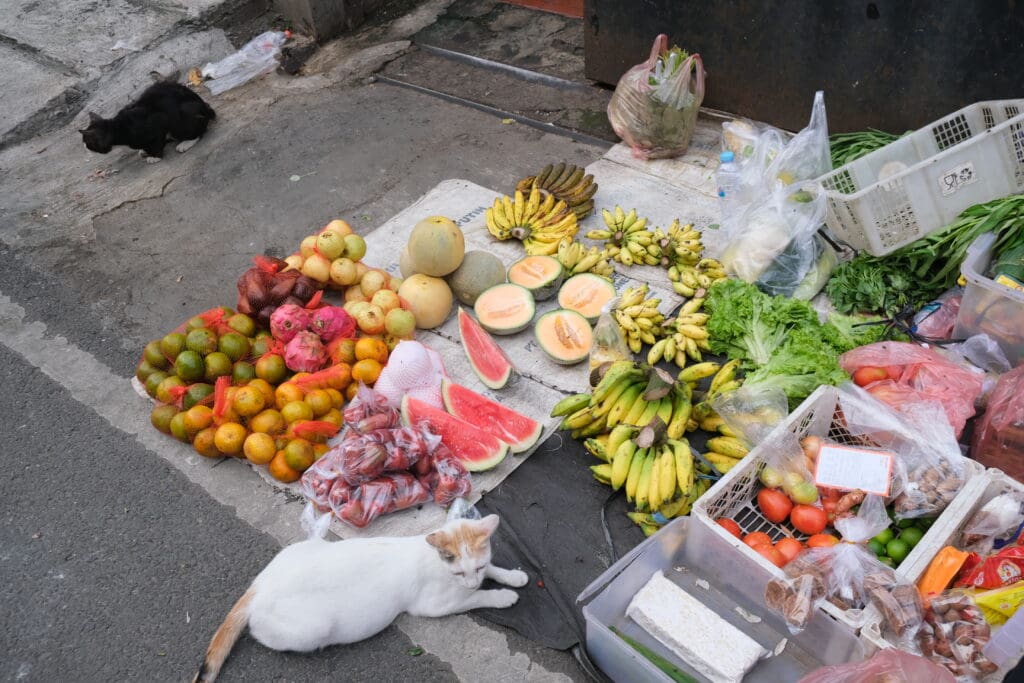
{"points": [[846, 332], [846, 147]]}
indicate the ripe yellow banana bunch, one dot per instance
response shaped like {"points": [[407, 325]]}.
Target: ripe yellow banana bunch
{"points": [[576, 259], [626, 238], [680, 245], [686, 338], [723, 382], [538, 220], [688, 280], [638, 317], [568, 183]]}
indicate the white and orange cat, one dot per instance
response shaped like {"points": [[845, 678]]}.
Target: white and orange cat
{"points": [[317, 593]]}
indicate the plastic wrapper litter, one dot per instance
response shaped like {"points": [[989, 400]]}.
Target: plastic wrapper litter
{"points": [[999, 434], [369, 411], [1004, 568], [655, 104], [888, 666], [954, 635], [387, 493]]}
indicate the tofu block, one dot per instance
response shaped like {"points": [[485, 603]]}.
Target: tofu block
{"points": [[707, 642]]}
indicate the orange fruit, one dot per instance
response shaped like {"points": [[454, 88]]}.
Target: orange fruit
{"points": [[265, 388], [342, 350], [298, 454], [319, 449], [366, 371], [296, 411], [259, 448], [229, 438], [198, 417], [248, 401], [375, 349], [269, 421], [301, 375], [271, 368], [340, 376], [350, 391], [333, 416], [178, 430], [204, 443], [337, 398], [286, 393], [162, 415], [320, 401], [280, 470]]}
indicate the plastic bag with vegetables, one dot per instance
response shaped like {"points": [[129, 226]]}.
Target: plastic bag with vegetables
{"points": [[655, 104]]}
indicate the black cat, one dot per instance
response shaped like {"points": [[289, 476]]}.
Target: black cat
{"points": [[164, 111]]}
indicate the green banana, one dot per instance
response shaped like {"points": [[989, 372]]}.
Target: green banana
{"points": [[578, 420], [602, 473], [624, 403], [619, 435], [638, 408], [650, 412], [570, 404], [665, 409], [613, 396], [615, 374]]}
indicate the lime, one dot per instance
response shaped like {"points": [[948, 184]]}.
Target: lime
{"points": [[235, 345], [887, 561], [172, 344], [163, 390], [189, 366], [877, 547], [194, 323], [161, 417], [177, 427], [259, 346], [242, 324], [195, 394], [154, 355], [243, 372], [911, 536], [885, 536], [143, 370], [925, 523], [217, 364], [202, 340], [153, 381], [905, 523], [897, 549]]}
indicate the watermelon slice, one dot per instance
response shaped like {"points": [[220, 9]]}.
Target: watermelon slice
{"points": [[476, 449], [515, 429], [489, 362]]}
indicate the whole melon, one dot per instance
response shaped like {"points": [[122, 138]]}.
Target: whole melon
{"points": [[480, 270], [429, 299], [436, 246], [405, 263]]}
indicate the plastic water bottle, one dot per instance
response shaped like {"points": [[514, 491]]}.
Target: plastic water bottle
{"points": [[728, 179]]}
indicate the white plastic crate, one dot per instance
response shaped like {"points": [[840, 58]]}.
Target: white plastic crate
{"points": [[923, 181], [734, 496]]}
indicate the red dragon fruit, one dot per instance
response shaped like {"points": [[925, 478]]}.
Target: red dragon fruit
{"points": [[287, 320], [305, 353], [332, 322]]}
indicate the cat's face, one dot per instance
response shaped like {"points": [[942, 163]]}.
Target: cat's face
{"points": [[97, 137], [465, 548]]}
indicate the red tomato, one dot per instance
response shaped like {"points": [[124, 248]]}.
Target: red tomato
{"points": [[757, 538], [775, 505], [821, 541], [789, 547], [808, 519], [772, 554], [868, 375], [894, 371], [731, 526]]}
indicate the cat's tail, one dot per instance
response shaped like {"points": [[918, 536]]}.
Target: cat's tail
{"points": [[224, 639]]}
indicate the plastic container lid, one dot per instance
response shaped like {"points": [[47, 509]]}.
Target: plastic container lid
{"points": [[726, 157]]}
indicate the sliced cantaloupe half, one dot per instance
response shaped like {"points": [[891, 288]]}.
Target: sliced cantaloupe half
{"points": [[542, 275], [586, 294], [564, 335], [505, 309]]}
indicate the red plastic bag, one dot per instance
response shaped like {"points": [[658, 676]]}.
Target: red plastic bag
{"points": [[889, 665], [999, 435], [938, 319], [384, 450], [388, 493], [1002, 569], [369, 411], [916, 374]]}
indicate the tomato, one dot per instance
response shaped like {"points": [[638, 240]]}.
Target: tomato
{"points": [[731, 526], [830, 508], [822, 541], [775, 505], [772, 554], [808, 519], [789, 547], [868, 375], [757, 538], [893, 371]]}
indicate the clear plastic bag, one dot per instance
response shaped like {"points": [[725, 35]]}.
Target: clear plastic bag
{"points": [[752, 412], [609, 343], [257, 57], [999, 435], [369, 411], [655, 104], [388, 493], [453, 481], [384, 450], [937, 319], [954, 635], [889, 666], [999, 518]]}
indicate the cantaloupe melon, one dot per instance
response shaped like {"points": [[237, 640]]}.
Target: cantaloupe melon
{"points": [[505, 309], [479, 271], [429, 299], [564, 335], [586, 294], [542, 275], [436, 246]]}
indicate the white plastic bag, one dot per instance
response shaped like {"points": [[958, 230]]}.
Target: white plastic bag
{"points": [[257, 57]]}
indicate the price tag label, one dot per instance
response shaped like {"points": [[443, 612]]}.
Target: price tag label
{"points": [[847, 468]]}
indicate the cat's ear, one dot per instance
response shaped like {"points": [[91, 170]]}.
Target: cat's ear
{"points": [[437, 539], [489, 524], [94, 118]]}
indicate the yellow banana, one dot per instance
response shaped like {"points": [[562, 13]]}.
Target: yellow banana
{"points": [[602, 473], [633, 478], [667, 486], [621, 463], [697, 372], [728, 445], [684, 464], [623, 404]]}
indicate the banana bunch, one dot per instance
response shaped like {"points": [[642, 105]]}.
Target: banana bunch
{"points": [[657, 479], [538, 222], [680, 245], [626, 238], [576, 259], [686, 337], [638, 317], [567, 183], [723, 382], [725, 452], [689, 280]]}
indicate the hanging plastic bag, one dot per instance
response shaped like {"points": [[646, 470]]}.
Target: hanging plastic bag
{"points": [[257, 57], [655, 104]]}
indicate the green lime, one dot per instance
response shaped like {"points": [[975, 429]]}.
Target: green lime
{"points": [[885, 536], [887, 561], [172, 344], [227, 311], [155, 356], [189, 366], [235, 345], [217, 364], [161, 417], [163, 390], [259, 346], [242, 324], [905, 523], [195, 394], [911, 536], [177, 427], [243, 372], [897, 549], [925, 523], [153, 381], [877, 547], [194, 323], [202, 340], [143, 370]]}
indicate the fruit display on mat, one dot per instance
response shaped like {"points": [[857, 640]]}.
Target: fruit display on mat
{"points": [[515, 429], [542, 275], [638, 317], [586, 294], [479, 271], [565, 336], [568, 183], [505, 309], [538, 222], [488, 361], [476, 449], [577, 259], [626, 238]]}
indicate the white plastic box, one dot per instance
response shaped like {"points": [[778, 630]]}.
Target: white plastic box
{"points": [[687, 552], [989, 307], [924, 180]]}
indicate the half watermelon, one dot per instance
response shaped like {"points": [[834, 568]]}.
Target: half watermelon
{"points": [[476, 449], [515, 429], [489, 362]]}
